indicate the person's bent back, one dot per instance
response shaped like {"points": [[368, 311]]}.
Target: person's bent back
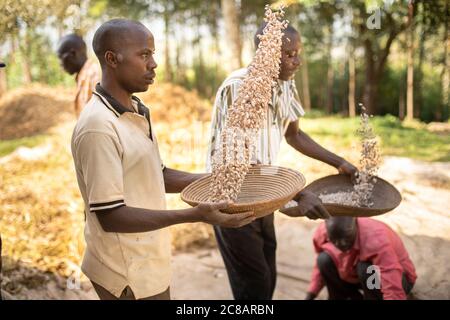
{"points": [[356, 254]]}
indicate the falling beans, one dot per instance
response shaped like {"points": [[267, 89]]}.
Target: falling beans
{"points": [[245, 117], [369, 161]]}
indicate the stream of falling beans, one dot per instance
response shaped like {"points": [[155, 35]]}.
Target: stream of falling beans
{"points": [[246, 115]]}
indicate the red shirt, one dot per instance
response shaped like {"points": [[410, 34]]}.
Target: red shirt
{"points": [[376, 243]]}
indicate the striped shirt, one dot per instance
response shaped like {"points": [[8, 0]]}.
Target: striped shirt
{"points": [[284, 108]]}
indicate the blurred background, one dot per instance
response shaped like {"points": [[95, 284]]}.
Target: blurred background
{"points": [[393, 56], [347, 56]]}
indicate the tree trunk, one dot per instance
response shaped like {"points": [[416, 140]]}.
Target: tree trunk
{"points": [[374, 72], [419, 79], [351, 83], [232, 30], [200, 75], [401, 98], [26, 53], [305, 83], [330, 73], [168, 75], [369, 85], [445, 74], [410, 71], [215, 12]]}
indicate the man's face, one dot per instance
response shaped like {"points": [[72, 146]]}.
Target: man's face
{"points": [[344, 238], [68, 59], [136, 66], [290, 60]]}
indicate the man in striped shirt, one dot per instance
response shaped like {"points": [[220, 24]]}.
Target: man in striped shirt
{"points": [[249, 252]]}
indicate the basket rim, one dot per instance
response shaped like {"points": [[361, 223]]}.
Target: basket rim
{"points": [[344, 206], [242, 204]]}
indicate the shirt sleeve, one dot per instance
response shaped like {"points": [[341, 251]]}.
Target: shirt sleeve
{"points": [[100, 159], [316, 284], [295, 108], [391, 272]]}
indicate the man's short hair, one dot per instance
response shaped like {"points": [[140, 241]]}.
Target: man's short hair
{"points": [[73, 41], [111, 36]]}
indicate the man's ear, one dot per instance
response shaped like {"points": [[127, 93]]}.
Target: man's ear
{"points": [[111, 59]]}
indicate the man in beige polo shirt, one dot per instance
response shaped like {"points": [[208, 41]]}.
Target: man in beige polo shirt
{"points": [[121, 176]]}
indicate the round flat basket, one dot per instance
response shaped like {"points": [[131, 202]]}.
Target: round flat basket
{"points": [[265, 190], [385, 196]]}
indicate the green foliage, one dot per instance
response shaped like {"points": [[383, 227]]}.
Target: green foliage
{"points": [[396, 138], [8, 146], [22, 30], [132, 9], [45, 66]]}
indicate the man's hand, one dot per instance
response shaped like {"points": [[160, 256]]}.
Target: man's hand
{"points": [[347, 168], [310, 296], [309, 205], [210, 213]]}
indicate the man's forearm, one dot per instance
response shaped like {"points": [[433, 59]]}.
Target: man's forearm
{"points": [[175, 181], [127, 219], [304, 144]]}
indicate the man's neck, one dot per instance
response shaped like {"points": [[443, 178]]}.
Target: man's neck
{"points": [[117, 92]]}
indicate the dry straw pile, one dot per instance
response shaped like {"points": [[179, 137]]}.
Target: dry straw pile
{"points": [[231, 162]]}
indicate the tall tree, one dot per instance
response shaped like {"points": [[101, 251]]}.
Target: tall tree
{"points": [[377, 43], [167, 13], [231, 18], [330, 71], [305, 82], [410, 67], [445, 74], [351, 82]]}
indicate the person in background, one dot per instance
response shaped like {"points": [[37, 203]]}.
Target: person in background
{"points": [[249, 253], [73, 57], [356, 254]]}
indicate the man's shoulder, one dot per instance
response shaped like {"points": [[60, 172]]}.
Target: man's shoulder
{"points": [[236, 76], [372, 225], [95, 117], [375, 233], [320, 234]]}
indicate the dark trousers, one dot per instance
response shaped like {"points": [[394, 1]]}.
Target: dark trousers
{"points": [[339, 289], [250, 258], [127, 294]]}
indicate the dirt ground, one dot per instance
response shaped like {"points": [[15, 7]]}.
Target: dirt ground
{"points": [[422, 220], [42, 251]]}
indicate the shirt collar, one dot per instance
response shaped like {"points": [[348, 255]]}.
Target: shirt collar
{"points": [[118, 109], [117, 106]]}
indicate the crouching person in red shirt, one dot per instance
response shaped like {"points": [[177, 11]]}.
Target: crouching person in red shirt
{"points": [[355, 254]]}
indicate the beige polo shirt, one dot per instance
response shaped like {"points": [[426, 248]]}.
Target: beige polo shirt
{"points": [[117, 163]]}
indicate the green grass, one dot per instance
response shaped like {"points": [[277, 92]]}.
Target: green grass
{"points": [[411, 139], [8, 146], [405, 139]]}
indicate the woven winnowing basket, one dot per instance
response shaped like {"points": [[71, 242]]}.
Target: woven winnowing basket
{"points": [[265, 189], [385, 196]]}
